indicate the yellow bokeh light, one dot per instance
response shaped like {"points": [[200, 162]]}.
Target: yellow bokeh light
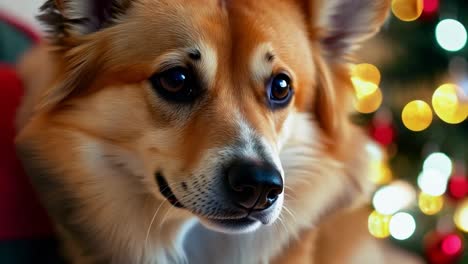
{"points": [[380, 173], [417, 115], [368, 103], [378, 225], [429, 204], [461, 216], [447, 104], [407, 10], [365, 78], [366, 72]]}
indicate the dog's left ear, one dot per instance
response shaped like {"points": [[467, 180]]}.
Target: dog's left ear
{"points": [[342, 25], [337, 28]]}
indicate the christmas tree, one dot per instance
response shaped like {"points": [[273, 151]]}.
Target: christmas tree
{"points": [[415, 105]]}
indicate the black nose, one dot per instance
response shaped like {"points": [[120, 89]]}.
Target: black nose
{"points": [[253, 185]]}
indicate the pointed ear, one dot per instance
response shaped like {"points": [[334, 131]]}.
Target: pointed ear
{"points": [[76, 56], [64, 18], [342, 25]]}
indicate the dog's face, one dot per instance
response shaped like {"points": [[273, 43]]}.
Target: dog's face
{"points": [[196, 99]]}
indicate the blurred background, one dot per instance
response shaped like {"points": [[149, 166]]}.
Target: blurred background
{"points": [[411, 91], [411, 85]]}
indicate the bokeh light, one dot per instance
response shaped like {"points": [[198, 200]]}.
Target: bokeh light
{"points": [[458, 187], [380, 173], [378, 225], [430, 6], [407, 10], [439, 161], [369, 103], [447, 104], [429, 204], [451, 35], [417, 115], [402, 226], [365, 78], [432, 182], [461, 216], [451, 244], [394, 197], [375, 151]]}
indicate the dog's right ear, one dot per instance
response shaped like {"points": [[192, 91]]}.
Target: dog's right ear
{"points": [[67, 18], [77, 55]]}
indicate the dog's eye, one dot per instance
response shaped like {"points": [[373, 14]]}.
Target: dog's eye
{"points": [[280, 90], [175, 84]]}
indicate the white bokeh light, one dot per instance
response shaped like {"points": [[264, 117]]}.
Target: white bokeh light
{"points": [[440, 162], [451, 35], [392, 198], [432, 182], [402, 226], [374, 151]]}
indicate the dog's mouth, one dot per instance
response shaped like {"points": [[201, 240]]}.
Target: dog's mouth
{"points": [[249, 221], [166, 191]]}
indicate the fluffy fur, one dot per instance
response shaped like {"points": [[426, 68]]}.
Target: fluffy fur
{"points": [[93, 133]]}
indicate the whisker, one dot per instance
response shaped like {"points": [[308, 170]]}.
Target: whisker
{"points": [[289, 212], [152, 221], [164, 219]]}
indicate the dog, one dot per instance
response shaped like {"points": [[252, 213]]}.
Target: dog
{"points": [[208, 131]]}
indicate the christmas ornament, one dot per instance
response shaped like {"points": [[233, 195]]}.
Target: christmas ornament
{"points": [[407, 10], [443, 248], [417, 115]]}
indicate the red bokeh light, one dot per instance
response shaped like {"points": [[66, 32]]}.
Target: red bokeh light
{"points": [[431, 6], [458, 187], [383, 134], [451, 245]]}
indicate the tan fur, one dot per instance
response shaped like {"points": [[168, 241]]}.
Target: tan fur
{"points": [[92, 132]]}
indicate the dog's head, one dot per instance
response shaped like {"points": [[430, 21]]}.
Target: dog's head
{"points": [[204, 94]]}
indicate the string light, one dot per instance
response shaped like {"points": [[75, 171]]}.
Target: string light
{"points": [[429, 204], [378, 224], [417, 115], [402, 226], [365, 78], [447, 104], [394, 197], [452, 244], [451, 35], [432, 182], [407, 10], [430, 6], [380, 173], [369, 103], [439, 161], [461, 216]]}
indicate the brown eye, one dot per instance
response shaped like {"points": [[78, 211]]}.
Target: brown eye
{"points": [[280, 90], [173, 80], [176, 85]]}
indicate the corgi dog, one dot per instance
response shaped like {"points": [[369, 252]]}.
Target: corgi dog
{"points": [[195, 131]]}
